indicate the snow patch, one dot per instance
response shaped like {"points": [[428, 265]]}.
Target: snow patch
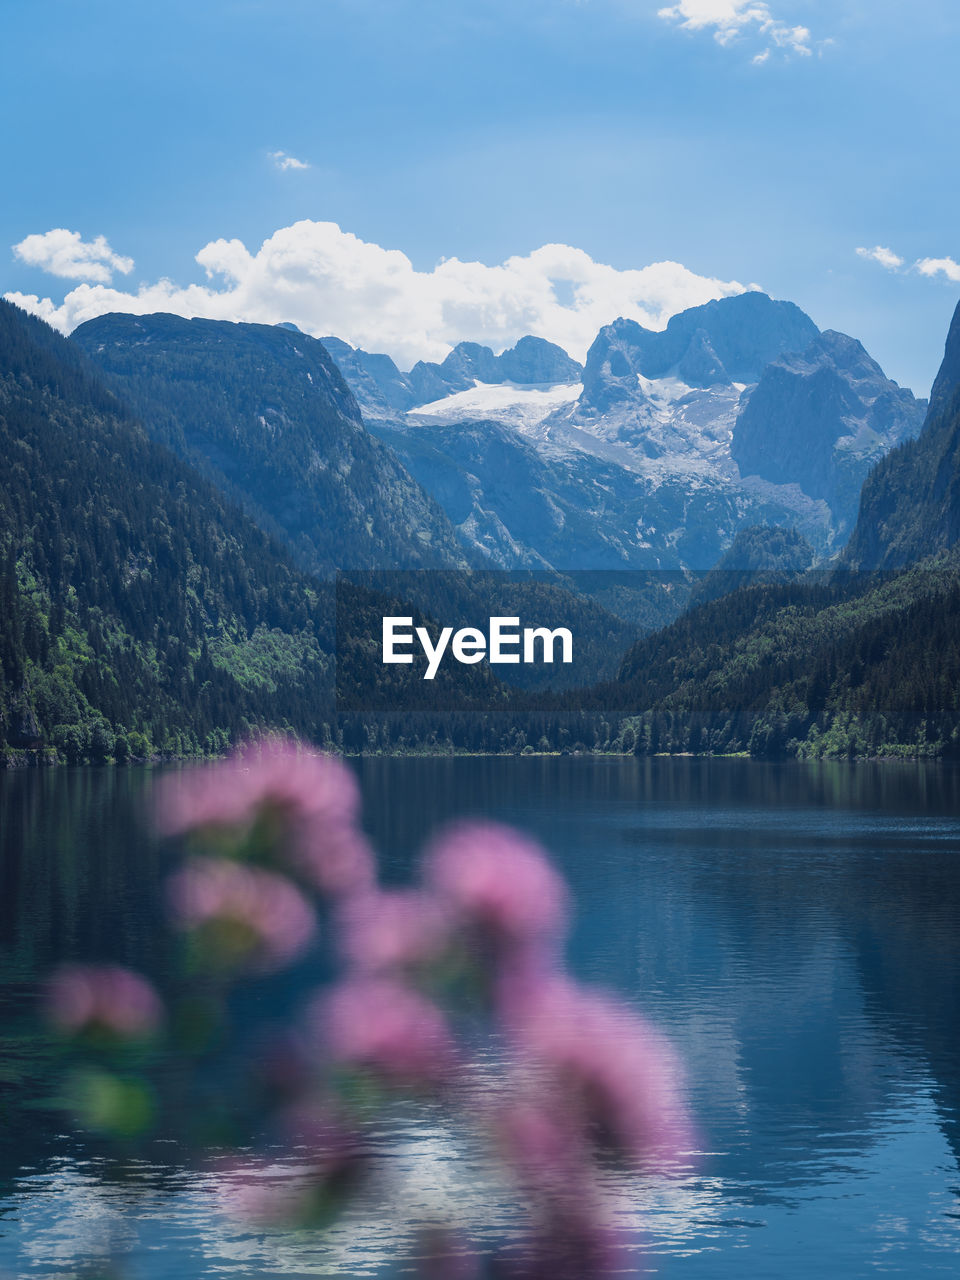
{"points": [[508, 402], [665, 390]]}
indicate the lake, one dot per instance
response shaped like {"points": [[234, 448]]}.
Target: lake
{"points": [[792, 928]]}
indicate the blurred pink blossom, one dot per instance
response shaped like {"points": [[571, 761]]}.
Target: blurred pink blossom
{"points": [[335, 857], [612, 1076], [262, 1195], [396, 929], [386, 1027], [501, 884], [286, 1195], [585, 1079], [261, 918], [313, 802], [103, 998], [542, 1148]]}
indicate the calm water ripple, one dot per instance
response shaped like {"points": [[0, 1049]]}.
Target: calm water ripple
{"points": [[791, 928]]}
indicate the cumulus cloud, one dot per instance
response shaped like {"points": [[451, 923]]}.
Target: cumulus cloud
{"points": [[283, 161], [328, 281], [728, 19], [938, 266], [65, 253], [885, 257]]}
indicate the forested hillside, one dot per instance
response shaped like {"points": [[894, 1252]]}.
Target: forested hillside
{"points": [[264, 412], [140, 611], [845, 664]]}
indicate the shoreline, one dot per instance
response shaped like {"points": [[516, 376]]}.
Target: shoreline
{"points": [[18, 760]]}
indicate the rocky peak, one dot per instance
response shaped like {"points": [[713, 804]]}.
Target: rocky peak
{"points": [[536, 361], [820, 417], [728, 341]]}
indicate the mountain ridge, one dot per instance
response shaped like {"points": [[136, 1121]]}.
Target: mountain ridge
{"points": [[666, 470], [265, 413]]}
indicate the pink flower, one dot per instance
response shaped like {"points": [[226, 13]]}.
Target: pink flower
{"points": [[305, 806], [247, 916], [545, 1152], [311, 1195], [262, 1195], [609, 1074], [335, 857], [398, 929], [383, 1026], [104, 998], [501, 884]]}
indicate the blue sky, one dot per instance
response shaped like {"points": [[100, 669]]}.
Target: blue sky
{"points": [[749, 142]]}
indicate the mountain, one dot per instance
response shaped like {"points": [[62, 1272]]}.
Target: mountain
{"points": [[531, 361], [663, 451], [525, 503], [139, 610], [910, 504], [819, 418], [719, 344], [861, 661], [265, 413], [382, 391]]}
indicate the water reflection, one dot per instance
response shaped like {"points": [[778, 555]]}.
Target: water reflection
{"points": [[791, 927]]}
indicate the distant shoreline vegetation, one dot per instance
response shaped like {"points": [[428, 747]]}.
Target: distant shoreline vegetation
{"points": [[13, 760]]}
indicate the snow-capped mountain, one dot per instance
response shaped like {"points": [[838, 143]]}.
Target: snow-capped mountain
{"points": [[653, 455], [383, 391]]}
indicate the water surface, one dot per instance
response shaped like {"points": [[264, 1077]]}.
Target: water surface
{"points": [[791, 927]]}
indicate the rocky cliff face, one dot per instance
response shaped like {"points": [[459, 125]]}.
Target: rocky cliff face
{"points": [[379, 386], [529, 503], [719, 344], [910, 504], [820, 419]]}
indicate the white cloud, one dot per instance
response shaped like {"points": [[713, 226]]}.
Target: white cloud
{"points": [[929, 267], [64, 253], [885, 257], [729, 19], [283, 161], [936, 266], [328, 281]]}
